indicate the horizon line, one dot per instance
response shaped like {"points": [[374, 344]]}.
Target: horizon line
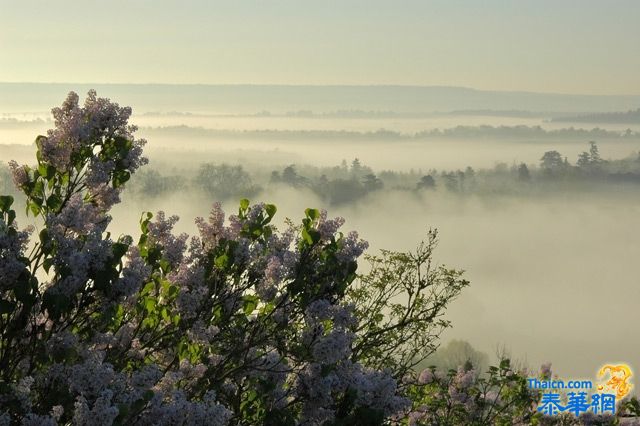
{"points": [[364, 85]]}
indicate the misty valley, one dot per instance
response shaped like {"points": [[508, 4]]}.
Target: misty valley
{"points": [[526, 202], [518, 222]]}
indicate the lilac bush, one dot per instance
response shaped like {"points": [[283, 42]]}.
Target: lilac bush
{"points": [[464, 396], [241, 324], [499, 396]]}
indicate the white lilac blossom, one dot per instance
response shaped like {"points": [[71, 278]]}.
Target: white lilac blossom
{"points": [[342, 315], [189, 301], [23, 391], [213, 231], [254, 212], [61, 343], [146, 377], [160, 233], [78, 126], [274, 274], [202, 333], [134, 274], [33, 419], [190, 371], [98, 173], [57, 411], [426, 376], [333, 347], [372, 389], [91, 377], [104, 196], [101, 413], [328, 227], [18, 173], [464, 377], [352, 247], [376, 389], [78, 257], [176, 409]]}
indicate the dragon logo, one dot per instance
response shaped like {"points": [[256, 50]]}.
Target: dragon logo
{"points": [[618, 383]]}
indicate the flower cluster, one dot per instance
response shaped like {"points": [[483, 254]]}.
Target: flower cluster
{"points": [[78, 127]]}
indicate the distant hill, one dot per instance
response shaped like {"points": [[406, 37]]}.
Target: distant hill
{"points": [[249, 99], [458, 132], [629, 117]]}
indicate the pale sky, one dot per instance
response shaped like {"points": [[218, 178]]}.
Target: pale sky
{"points": [[578, 46]]}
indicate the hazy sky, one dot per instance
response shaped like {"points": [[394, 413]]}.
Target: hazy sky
{"points": [[578, 46]]}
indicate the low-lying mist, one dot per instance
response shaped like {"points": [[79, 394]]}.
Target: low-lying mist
{"points": [[551, 280]]}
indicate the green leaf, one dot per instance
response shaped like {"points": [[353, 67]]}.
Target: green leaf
{"points": [[44, 241], [244, 204], [39, 140], [311, 236], [120, 178], [37, 193], [54, 202], [164, 265], [164, 313], [46, 170], [307, 237], [173, 291], [47, 264], [312, 214], [154, 254], [270, 209], [222, 261], [183, 348], [5, 202], [144, 222], [148, 288], [119, 250], [250, 303], [149, 304], [34, 207], [55, 304], [22, 290]]}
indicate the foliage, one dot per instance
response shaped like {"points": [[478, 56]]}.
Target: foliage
{"points": [[401, 301], [456, 353], [150, 183], [242, 324], [225, 181], [426, 182], [552, 162], [501, 397]]}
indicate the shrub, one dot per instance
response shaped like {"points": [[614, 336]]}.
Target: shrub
{"points": [[242, 324]]}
